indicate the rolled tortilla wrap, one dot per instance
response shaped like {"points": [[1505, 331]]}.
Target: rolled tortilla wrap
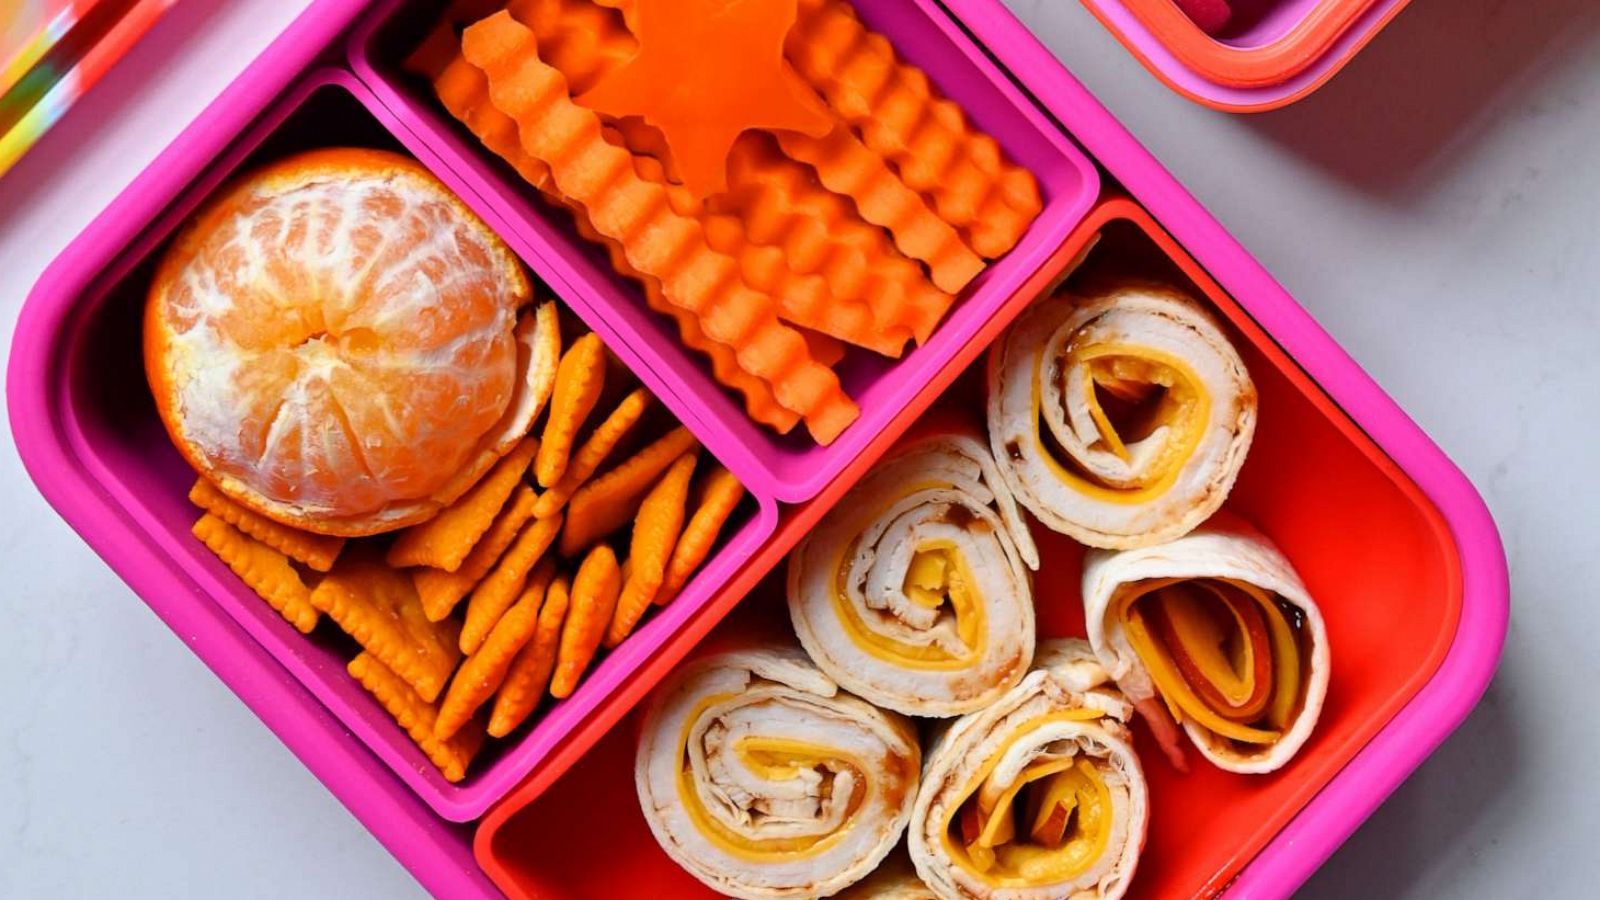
{"points": [[895, 879], [1119, 416], [1216, 631], [1038, 796], [762, 779], [914, 592]]}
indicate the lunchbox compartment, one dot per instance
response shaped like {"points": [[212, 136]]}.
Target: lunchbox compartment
{"points": [[126, 444], [1372, 549], [790, 467]]}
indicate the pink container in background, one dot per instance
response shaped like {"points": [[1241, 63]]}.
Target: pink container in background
{"points": [[93, 444], [1270, 54]]}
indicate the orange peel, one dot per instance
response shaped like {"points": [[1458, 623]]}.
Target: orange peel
{"points": [[263, 569]]}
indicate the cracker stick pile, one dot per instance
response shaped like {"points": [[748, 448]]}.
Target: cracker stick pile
{"points": [[468, 620], [802, 189]]}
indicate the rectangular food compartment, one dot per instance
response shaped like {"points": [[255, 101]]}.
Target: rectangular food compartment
{"points": [[1373, 550], [791, 467], [125, 443]]}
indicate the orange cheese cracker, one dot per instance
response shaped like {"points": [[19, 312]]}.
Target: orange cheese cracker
{"points": [[529, 675], [655, 533], [594, 451], [445, 540], [579, 380], [316, 551], [267, 571], [594, 599], [482, 672], [607, 503], [379, 607], [495, 594], [417, 717], [441, 590], [720, 493]]}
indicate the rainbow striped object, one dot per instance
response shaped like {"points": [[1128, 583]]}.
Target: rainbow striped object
{"points": [[52, 51]]}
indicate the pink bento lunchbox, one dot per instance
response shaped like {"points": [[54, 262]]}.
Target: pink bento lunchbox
{"points": [[86, 429]]}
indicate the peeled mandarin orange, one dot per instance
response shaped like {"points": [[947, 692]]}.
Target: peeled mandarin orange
{"points": [[333, 340]]}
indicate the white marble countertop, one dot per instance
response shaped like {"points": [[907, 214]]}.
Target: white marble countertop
{"points": [[1437, 207]]}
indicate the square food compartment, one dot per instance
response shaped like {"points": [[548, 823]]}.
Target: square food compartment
{"points": [[125, 445], [790, 467], [1355, 526]]}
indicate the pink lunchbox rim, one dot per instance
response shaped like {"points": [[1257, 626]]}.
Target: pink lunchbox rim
{"points": [[401, 821]]}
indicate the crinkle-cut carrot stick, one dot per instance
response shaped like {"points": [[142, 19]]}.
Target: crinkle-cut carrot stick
{"points": [[826, 348], [582, 40], [720, 493], [655, 534], [844, 165], [317, 551], [611, 430], [781, 204], [417, 717], [594, 598], [925, 136], [607, 503], [805, 300], [263, 569], [464, 91], [634, 211]]}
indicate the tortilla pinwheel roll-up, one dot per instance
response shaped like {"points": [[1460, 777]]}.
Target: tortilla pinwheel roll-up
{"points": [[762, 779], [1120, 415], [1216, 632], [1038, 796], [915, 591]]}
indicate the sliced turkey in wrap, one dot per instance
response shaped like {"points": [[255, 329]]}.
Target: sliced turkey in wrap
{"points": [[762, 779], [1039, 796], [1120, 417], [915, 591], [1216, 631]]}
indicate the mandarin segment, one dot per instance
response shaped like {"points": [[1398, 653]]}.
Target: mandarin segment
{"points": [[655, 534], [264, 569], [445, 541], [497, 592], [316, 551], [607, 503], [417, 717], [379, 608], [441, 591]]}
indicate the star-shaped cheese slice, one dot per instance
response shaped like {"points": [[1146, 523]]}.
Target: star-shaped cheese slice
{"points": [[706, 71]]}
